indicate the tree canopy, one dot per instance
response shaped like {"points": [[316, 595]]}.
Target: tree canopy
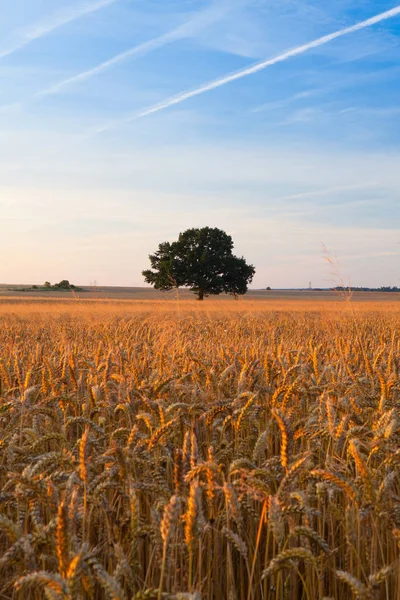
{"points": [[202, 260]]}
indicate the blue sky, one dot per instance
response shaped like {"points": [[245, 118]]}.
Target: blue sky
{"points": [[124, 122]]}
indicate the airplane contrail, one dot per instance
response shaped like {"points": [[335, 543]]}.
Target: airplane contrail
{"points": [[138, 50], [216, 83], [199, 21], [55, 21]]}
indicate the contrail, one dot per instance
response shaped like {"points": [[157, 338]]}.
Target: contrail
{"points": [[85, 75], [216, 83], [199, 21], [58, 20]]}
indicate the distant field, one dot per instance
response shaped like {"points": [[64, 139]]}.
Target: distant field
{"points": [[142, 293]]}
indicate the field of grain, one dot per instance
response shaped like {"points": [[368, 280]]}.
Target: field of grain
{"points": [[229, 450]]}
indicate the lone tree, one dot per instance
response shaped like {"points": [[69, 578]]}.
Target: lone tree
{"points": [[202, 260]]}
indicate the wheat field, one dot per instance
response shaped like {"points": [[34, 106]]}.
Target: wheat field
{"points": [[231, 451]]}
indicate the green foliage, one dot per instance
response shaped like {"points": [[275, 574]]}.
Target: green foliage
{"points": [[64, 284], [202, 260]]}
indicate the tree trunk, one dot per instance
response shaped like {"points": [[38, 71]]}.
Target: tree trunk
{"points": [[201, 295]]}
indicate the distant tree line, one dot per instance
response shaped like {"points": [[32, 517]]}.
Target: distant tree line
{"points": [[384, 288], [63, 286]]}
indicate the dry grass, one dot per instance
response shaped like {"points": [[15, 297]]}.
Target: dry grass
{"points": [[225, 450]]}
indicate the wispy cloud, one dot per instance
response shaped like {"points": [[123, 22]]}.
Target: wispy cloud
{"points": [[342, 83], [384, 112], [284, 102], [310, 114], [284, 56], [199, 21], [327, 191], [53, 22]]}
